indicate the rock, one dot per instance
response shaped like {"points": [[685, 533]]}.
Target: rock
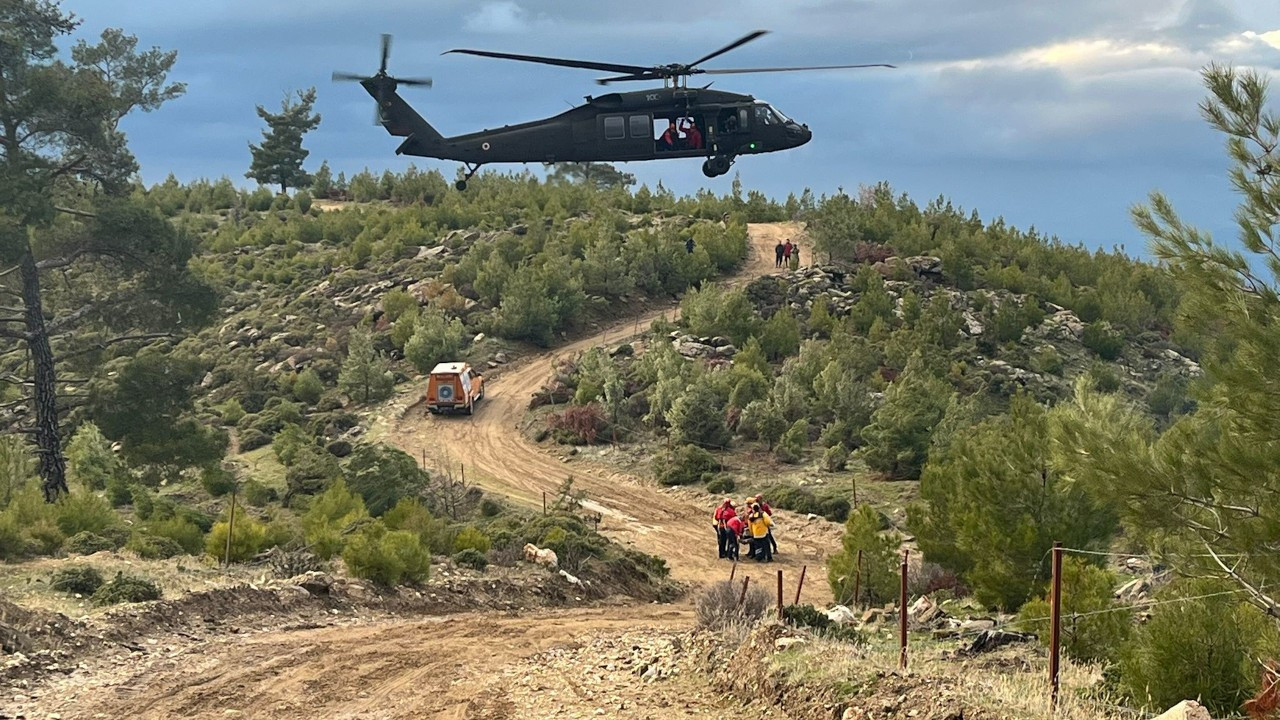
{"points": [[207, 381], [438, 251], [569, 578], [1135, 589], [925, 611], [726, 350], [339, 448], [519, 229], [841, 615], [479, 338], [811, 517], [872, 616], [1186, 710], [785, 643], [542, 556], [989, 640], [690, 348], [316, 583], [500, 358], [925, 264]]}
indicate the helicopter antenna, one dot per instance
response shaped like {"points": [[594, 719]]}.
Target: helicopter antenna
{"points": [[381, 83], [677, 73]]}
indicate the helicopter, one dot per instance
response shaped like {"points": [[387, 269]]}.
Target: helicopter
{"points": [[618, 126]]}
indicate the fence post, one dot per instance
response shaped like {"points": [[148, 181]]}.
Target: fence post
{"points": [[544, 502], [779, 596], [902, 613], [732, 570], [857, 583], [1055, 626], [743, 597], [231, 529], [800, 585]]}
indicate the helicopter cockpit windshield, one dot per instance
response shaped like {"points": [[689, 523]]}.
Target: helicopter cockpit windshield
{"points": [[766, 114]]}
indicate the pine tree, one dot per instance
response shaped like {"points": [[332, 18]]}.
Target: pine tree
{"points": [[697, 417], [278, 159], [897, 439], [879, 561], [365, 375]]}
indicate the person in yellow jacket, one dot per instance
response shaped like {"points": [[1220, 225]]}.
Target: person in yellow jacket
{"points": [[759, 523]]}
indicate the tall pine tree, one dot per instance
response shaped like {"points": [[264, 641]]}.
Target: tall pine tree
{"points": [[278, 159]]}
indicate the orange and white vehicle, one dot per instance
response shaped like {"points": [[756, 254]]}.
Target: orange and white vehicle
{"points": [[454, 387]]}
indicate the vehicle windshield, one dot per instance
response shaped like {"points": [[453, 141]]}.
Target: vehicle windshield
{"points": [[780, 114]]}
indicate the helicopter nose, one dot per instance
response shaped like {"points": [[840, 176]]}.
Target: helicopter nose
{"points": [[800, 134]]}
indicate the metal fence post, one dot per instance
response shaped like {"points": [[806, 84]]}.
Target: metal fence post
{"points": [[902, 613], [1055, 626]]}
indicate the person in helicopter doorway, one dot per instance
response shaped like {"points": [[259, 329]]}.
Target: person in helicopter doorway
{"points": [[669, 137], [692, 135]]}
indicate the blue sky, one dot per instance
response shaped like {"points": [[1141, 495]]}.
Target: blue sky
{"points": [[1052, 114]]}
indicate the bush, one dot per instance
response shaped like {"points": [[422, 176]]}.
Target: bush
{"points": [[182, 530], [87, 543], [1087, 591], [410, 515], [84, 512], [880, 562], [717, 607], [387, 557], [835, 509], [217, 481], [252, 439], [1104, 377], [119, 492], [1199, 648], [383, 476], [791, 446], [469, 538], [490, 508], [257, 494], [697, 417], [122, 588], [578, 424], [308, 388], [835, 458], [232, 412], [435, 339], [143, 503], [249, 539], [331, 514], [80, 579], [721, 485], [472, 558], [151, 547], [90, 458], [687, 465], [1100, 338]]}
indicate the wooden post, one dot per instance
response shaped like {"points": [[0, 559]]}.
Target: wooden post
{"points": [[853, 478], [800, 585], [1055, 625], [544, 502], [463, 468], [902, 613], [857, 583], [779, 596], [732, 570], [743, 597], [231, 529]]}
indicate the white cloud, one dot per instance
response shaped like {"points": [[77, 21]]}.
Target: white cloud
{"points": [[504, 17]]}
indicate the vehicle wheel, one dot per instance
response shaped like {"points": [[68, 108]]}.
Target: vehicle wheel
{"points": [[720, 164], [707, 169], [461, 185]]}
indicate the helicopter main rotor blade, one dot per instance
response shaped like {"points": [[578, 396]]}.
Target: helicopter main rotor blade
{"points": [[337, 76], [731, 46], [626, 78], [561, 62], [739, 71], [386, 52], [423, 82]]}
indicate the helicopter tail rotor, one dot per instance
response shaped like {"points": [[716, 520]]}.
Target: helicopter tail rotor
{"points": [[381, 83]]}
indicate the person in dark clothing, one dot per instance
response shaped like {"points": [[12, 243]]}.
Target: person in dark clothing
{"points": [[669, 137], [777, 251], [688, 245]]}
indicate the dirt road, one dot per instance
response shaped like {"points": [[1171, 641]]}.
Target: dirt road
{"points": [[581, 663], [635, 510]]}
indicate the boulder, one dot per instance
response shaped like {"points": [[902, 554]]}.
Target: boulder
{"points": [[316, 583], [568, 578], [545, 557], [989, 640], [925, 611], [925, 264], [785, 643], [726, 350], [1186, 710], [841, 615], [500, 358]]}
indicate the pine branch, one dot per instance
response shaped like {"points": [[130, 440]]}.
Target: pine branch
{"points": [[13, 334], [65, 322], [1260, 599], [61, 262], [115, 341]]}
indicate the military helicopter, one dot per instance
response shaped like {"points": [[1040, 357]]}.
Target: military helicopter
{"points": [[674, 121]]}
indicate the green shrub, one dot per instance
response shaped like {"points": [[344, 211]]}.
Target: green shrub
{"points": [[835, 509], [490, 508], [217, 481], [471, 538], [32, 524], [122, 588], [80, 579], [252, 439], [90, 458], [119, 492], [289, 442], [807, 616], [721, 485], [1100, 338], [472, 558], [84, 512], [151, 547], [1047, 361], [686, 465], [409, 514], [387, 557], [1088, 592], [87, 543], [232, 412], [791, 446], [183, 531], [249, 538], [1104, 377], [257, 494], [1197, 648], [880, 561], [331, 515], [835, 458], [384, 475], [308, 388], [143, 503]]}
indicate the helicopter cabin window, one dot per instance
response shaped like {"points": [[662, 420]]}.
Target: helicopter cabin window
{"points": [[678, 132], [615, 128], [766, 116], [640, 126]]}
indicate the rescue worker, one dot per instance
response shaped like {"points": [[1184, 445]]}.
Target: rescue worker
{"points": [[773, 544], [786, 252], [722, 516], [760, 522], [669, 137], [692, 135], [736, 527], [745, 534]]}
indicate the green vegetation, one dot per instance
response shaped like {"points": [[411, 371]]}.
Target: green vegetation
{"points": [[278, 159], [126, 589]]}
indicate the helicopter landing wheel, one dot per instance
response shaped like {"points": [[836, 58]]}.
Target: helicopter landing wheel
{"points": [[471, 170], [717, 166]]}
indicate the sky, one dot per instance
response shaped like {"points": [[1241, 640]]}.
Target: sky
{"points": [[1057, 115]]}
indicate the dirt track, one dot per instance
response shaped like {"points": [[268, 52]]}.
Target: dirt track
{"points": [[563, 664]]}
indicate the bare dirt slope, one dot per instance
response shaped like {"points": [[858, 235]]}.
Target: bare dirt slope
{"points": [[635, 510], [581, 663]]}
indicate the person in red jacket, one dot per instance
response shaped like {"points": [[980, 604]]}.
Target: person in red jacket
{"points": [[692, 135], [723, 514], [669, 137], [735, 527]]}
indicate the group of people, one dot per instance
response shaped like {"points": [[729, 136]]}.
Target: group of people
{"points": [[749, 524], [787, 255], [684, 136]]}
